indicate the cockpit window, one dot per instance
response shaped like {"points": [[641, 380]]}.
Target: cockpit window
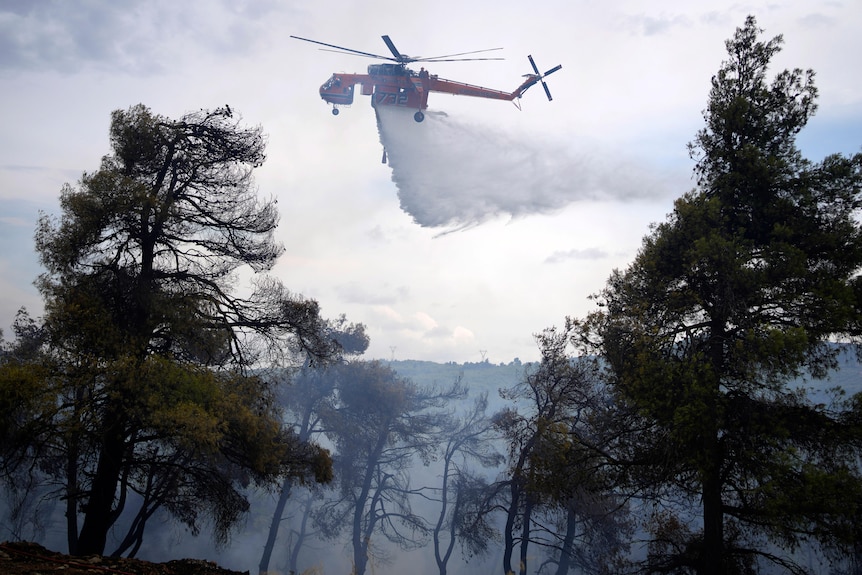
{"points": [[332, 82]]}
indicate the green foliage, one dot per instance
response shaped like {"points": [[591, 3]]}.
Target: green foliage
{"points": [[728, 301], [557, 473], [26, 395], [143, 382]]}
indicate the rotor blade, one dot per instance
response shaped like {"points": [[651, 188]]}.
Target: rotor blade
{"points": [[533, 64], [392, 48], [547, 92], [361, 54], [432, 60], [552, 70], [461, 54], [343, 49]]}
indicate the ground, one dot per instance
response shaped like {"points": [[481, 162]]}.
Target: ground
{"points": [[23, 558]]}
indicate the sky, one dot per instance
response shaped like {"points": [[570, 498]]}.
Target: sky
{"points": [[487, 224]]}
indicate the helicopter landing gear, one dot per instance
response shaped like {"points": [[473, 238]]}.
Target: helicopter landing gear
{"points": [[335, 111], [418, 116]]}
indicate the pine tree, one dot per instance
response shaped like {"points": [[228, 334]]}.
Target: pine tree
{"points": [[730, 300], [151, 389]]}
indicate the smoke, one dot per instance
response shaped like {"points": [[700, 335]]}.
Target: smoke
{"points": [[453, 174]]}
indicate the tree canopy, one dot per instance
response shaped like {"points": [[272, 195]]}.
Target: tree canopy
{"points": [[150, 389], [744, 288], [556, 495], [380, 425]]}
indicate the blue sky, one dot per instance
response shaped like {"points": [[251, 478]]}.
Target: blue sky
{"points": [[488, 225]]}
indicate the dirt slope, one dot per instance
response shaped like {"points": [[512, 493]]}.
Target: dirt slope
{"points": [[23, 558]]}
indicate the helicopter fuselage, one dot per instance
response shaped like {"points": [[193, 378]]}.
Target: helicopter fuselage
{"points": [[397, 85], [387, 84]]}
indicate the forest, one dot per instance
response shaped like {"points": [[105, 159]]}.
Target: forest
{"points": [[705, 418]]}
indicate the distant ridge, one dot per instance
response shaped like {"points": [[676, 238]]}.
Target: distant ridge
{"points": [[480, 375], [491, 377]]}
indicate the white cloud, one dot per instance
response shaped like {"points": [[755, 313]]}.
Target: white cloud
{"points": [[426, 321], [576, 254]]}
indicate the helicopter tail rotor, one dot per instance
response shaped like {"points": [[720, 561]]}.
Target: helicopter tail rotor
{"points": [[541, 77]]}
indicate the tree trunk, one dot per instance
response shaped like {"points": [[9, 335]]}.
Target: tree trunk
{"points": [[362, 538], [263, 566], [300, 537], [99, 512], [525, 534], [277, 516], [711, 561], [72, 495], [508, 537], [712, 556], [360, 555], [567, 548], [442, 558]]}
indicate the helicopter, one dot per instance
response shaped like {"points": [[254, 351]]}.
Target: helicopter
{"points": [[394, 84]]}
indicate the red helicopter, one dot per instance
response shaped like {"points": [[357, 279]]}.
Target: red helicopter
{"points": [[397, 85]]}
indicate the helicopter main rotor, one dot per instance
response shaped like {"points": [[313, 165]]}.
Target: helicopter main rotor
{"points": [[400, 58]]}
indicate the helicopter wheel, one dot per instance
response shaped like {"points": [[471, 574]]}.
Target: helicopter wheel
{"points": [[335, 111], [418, 116]]}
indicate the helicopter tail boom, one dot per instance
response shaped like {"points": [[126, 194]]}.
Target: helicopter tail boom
{"points": [[462, 89]]}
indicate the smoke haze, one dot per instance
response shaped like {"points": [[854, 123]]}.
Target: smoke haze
{"points": [[454, 174]]}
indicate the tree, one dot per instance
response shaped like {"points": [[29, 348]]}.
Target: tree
{"points": [[21, 403], [737, 294], [381, 425], [555, 475], [306, 396], [151, 390], [461, 492]]}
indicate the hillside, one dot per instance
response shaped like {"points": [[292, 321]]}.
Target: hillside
{"points": [[482, 376], [490, 377]]}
